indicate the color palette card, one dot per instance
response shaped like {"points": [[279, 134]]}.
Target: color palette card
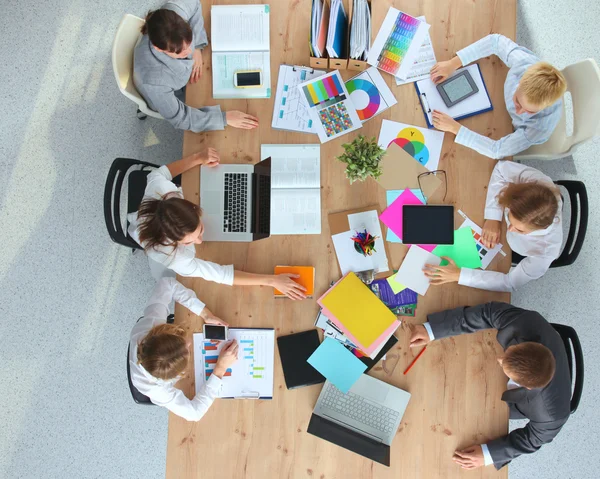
{"points": [[390, 197], [410, 273], [332, 112], [464, 251], [397, 44], [306, 278], [486, 255], [370, 94], [337, 364], [393, 214]]}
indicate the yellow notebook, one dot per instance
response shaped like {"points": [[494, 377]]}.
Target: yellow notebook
{"points": [[306, 279], [358, 310]]}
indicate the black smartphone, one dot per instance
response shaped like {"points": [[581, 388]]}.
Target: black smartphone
{"points": [[216, 332]]}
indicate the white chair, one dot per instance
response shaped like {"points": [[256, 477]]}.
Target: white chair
{"points": [[128, 34], [583, 81]]}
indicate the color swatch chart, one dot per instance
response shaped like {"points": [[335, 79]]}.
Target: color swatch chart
{"points": [[251, 375], [486, 255], [369, 93], [325, 92], [396, 46]]}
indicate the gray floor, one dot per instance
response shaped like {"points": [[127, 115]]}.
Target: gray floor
{"points": [[69, 296]]}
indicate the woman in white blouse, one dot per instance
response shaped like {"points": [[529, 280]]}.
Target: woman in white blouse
{"points": [[168, 227], [159, 353], [531, 205]]}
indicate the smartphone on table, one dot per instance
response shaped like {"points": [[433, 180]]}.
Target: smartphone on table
{"points": [[247, 79], [215, 332]]}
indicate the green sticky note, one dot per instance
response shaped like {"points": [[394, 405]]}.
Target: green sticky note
{"points": [[395, 285], [464, 250]]}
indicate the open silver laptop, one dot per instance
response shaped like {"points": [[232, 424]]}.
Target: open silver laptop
{"points": [[364, 420], [236, 201]]}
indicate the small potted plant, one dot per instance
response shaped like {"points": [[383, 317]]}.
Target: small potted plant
{"points": [[362, 158]]}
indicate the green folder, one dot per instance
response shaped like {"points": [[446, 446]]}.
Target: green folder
{"points": [[463, 251]]}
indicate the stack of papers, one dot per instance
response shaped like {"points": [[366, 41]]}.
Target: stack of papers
{"points": [[359, 314], [337, 364], [338, 30], [360, 31], [318, 27]]}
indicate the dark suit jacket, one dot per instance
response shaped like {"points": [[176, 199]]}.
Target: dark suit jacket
{"points": [[546, 408]]}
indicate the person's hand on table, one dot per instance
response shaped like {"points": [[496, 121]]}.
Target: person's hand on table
{"points": [[442, 274], [444, 122], [469, 458], [209, 318], [197, 67], [284, 283], [239, 119], [442, 70], [490, 233], [208, 157], [418, 336], [228, 356]]}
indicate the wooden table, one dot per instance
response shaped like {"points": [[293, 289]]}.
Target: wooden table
{"points": [[456, 386]]}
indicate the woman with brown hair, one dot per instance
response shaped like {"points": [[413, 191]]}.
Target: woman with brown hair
{"points": [[168, 227], [531, 206], [159, 353]]}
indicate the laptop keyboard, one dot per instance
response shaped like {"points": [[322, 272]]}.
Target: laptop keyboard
{"points": [[236, 202], [360, 409]]}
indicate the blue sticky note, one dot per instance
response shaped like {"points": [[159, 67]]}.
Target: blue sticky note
{"points": [[337, 364], [390, 196]]}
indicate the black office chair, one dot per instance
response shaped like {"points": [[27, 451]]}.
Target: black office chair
{"points": [[573, 348], [577, 228], [137, 396]]}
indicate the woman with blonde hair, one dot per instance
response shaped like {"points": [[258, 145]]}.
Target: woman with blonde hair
{"points": [[531, 206], [159, 353]]}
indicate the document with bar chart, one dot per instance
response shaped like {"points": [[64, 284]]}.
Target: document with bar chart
{"points": [[251, 377]]}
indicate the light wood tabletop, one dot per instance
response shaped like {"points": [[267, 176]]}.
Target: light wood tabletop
{"points": [[456, 386]]}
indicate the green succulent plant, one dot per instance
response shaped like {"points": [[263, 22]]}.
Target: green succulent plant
{"points": [[362, 158]]}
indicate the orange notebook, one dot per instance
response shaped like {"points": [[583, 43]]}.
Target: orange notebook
{"points": [[306, 279]]}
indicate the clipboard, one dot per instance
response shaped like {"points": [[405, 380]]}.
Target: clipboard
{"points": [[401, 171], [338, 223], [475, 71]]}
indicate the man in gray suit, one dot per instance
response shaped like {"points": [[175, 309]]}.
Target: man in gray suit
{"points": [[167, 57], [535, 362]]}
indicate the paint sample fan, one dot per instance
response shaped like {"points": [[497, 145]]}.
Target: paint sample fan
{"points": [[365, 97], [412, 141]]}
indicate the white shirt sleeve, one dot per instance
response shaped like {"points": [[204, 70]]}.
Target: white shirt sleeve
{"points": [[504, 173], [495, 44], [160, 182], [507, 146], [530, 268], [166, 290], [487, 457], [429, 331]]}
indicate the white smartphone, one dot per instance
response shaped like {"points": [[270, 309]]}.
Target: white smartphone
{"points": [[248, 79], [215, 332]]}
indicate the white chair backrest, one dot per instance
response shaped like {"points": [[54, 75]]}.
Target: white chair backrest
{"points": [[126, 38]]}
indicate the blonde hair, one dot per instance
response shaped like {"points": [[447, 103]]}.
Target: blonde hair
{"points": [[535, 204], [163, 352], [542, 84]]}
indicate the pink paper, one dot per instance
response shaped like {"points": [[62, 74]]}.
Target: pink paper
{"points": [[392, 215]]}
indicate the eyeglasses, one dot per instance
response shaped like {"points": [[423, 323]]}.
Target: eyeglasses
{"points": [[423, 177]]}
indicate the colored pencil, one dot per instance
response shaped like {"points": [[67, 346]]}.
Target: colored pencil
{"points": [[415, 360]]}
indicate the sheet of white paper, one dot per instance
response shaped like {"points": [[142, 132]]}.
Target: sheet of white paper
{"points": [[251, 375], [350, 260], [226, 64], [422, 144], [410, 273], [296, 211], [293, 166], [487, 256], [240, 27], [423, 63], [433, 100], [289, 110], [331, 110], [369, 220]]}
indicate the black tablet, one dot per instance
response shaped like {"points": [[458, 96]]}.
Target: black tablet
{"points": [[457, 88], [294, 350], [428, 224]]}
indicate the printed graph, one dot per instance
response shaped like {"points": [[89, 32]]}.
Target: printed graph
{"points": [[210, 356]]}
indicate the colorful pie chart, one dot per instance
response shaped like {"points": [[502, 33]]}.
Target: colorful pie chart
{"points": [[365, 97], [412, 141]]}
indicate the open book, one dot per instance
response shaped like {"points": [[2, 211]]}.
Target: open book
{"points": [[295, 188], [240, 42]]}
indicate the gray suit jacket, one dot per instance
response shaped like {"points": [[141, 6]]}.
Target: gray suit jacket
{"points": [[157, 76], [546, 408]]}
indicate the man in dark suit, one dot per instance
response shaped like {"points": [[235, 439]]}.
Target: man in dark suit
{"points": [[535, 361]]}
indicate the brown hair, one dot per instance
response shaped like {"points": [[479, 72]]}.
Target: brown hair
{"points": [[534, 204], [167, 30], [166, 221], [542, 84], [164, 352], [530, 364]]}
